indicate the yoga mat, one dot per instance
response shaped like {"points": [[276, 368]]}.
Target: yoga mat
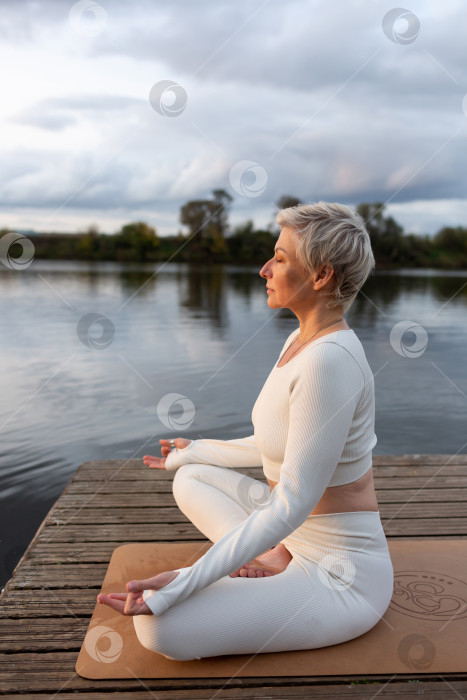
{"points": [[423, 630]]}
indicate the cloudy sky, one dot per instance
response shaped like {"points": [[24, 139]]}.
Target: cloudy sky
{"points": [[121, 111]]}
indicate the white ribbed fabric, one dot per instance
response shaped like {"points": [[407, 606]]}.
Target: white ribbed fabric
{"points": [[313, 427], [241, 452], [337, 586]]}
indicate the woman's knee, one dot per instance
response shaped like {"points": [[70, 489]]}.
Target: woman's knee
{"points": [[154, 635], [183, 478]]}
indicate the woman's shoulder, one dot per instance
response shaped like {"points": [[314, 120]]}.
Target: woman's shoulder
{"points": [[344, 346]]}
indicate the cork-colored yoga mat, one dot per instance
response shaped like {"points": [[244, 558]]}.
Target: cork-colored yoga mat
{"points": [[423, 630]]}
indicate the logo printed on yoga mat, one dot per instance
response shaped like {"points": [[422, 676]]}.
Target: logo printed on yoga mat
{"points": [[103, 644], [416, 651], [429, 595]]}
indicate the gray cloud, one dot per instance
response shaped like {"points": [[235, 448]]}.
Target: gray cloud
{"points": [[322, 100], [57, 113]]}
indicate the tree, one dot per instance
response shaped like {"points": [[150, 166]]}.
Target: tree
{"points": [[222, 200], [450, 246], [207, 223], [136, 241], [387, 237], [87, 245], [251, 246], [287, 200], [452, 240]]}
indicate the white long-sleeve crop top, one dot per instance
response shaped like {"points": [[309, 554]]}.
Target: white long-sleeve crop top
{"points": [[313, 428]]}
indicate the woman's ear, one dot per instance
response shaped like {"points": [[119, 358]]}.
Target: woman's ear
{"points": [[322, 276]]}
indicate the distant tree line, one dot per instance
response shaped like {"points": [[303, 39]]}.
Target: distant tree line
{"points": [[210, 239]]}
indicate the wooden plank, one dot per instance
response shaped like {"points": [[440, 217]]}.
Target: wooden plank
{"points": [[32, 576], [178, 532], [161, 501], [91, 487], [378, 459], [174, 532], [422, 481], [126, 500], [366, 688], [43, 634], [57, 603], [156, 479], [145, 473], [81, 553], [408, 482], [49, 671], [159, 516], [420, 526], [111, 514], [425, 459], [425, 495]]}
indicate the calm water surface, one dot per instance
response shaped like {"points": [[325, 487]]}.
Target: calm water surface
{"points": [[73, 390]]}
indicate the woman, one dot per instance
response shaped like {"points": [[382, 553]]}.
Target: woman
{"points": [[303, 562]]}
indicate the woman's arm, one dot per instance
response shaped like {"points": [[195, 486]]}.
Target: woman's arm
{"points": [[241, 452], [323, 400]]}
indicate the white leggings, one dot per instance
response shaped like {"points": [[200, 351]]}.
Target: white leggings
{"points": [[337, 586]]}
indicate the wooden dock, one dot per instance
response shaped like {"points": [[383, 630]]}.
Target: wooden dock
{"points": [[47, 604]]}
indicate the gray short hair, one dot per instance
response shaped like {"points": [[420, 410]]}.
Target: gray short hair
{"points": [[332, 233]]}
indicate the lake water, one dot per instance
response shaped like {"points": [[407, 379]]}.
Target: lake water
{"points": [[74, 389]]}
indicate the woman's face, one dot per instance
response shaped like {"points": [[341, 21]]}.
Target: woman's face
{"points": [[290, 285]]}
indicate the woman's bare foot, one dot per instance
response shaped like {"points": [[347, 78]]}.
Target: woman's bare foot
{"points": [[272, 562]]}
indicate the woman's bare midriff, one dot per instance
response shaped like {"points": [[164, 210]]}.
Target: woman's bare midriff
{"points": [[359, 495]]}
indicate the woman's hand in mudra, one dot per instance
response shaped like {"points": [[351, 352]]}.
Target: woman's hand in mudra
{"points": [[159, 462], [132, 603]]}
